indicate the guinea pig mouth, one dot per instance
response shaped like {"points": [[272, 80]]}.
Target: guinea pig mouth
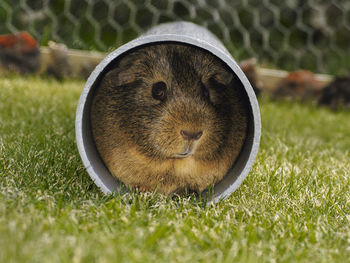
{"points": [[188, 152]]}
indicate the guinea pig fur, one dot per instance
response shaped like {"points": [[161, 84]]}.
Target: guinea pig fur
{"points": [[170, 118]]}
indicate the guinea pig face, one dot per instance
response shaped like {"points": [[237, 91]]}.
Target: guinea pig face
{"points": [[172, 101]]}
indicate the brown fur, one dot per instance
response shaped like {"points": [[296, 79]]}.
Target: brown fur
{"points": [[138, 137]]}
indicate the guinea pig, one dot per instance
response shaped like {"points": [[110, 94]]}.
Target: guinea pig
{"points": [[170, 118]]}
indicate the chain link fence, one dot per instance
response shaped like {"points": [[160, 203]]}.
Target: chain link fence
{"points": [[291, 34]]}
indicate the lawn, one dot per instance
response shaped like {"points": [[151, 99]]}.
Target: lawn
{"points": [[293, 207]]}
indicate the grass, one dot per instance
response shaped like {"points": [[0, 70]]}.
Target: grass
{"points": [[293, 207]]}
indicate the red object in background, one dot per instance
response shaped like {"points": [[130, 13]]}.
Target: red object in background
{"points": [[19, 52], [301, 77], [22, 41], [299, 85]]}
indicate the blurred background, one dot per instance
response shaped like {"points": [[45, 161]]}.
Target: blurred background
{"points": [[289, 35]]}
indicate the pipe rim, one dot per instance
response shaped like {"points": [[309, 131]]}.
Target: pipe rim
{"points": [[152, 39]]}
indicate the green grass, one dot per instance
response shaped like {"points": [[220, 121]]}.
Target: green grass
{"points": [[293, 207]]}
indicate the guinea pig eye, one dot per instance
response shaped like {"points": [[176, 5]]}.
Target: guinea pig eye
{"points": [[159, 90]]}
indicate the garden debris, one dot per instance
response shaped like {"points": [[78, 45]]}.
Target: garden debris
{"points": [[299, 85], [249, 68], [336, 94], [86, 68], [59, 65], [19, 53]]}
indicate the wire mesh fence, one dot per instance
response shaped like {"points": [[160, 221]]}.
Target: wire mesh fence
{"points": [[292, 34]]}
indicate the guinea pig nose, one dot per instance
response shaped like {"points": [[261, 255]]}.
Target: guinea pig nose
{"points": [[187, 135]]}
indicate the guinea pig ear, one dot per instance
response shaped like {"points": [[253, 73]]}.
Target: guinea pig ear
{"points": [[118, 77], [223, 77]]}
